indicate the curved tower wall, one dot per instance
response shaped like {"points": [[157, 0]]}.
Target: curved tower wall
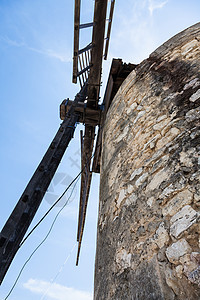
{"points": [[148, 244]]}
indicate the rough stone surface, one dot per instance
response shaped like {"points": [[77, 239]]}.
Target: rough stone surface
{"points": [[161, 237], [148, 244], [177, 202], [176, 250], [182, 220]]}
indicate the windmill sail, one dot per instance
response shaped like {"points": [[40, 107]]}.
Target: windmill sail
{"points": [[87, 67], [17, 224]]}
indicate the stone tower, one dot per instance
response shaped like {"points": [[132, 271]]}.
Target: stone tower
{"points": [[148, 244]]}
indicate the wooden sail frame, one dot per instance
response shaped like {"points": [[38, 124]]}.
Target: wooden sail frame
{"points": [[89, 74]]}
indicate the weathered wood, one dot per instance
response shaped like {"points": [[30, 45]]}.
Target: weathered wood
{"points": [[81, 190], [96, 46], [88, 115], [109, 28], [86, 156], [97, 52], [76, 39], [83, 215], [26, 208], [118, 72], [83, 70], [85, 49]]}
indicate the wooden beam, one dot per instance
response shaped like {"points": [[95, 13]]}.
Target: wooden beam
{"points": [[83, 215], [76, 39], [98, 34], [109, 28], [81, 190], [86, 157], [87, 115]]}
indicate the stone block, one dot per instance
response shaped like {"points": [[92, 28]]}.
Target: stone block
{"points": [[121, 197], [157, 179], [195, 96], [176, 250], [177, 202], [123, 259], [193, 83], [182, 220], [135, 173], [141, 179], [179, 271], [188, 264], [189, 47], [161, 237], [172, 281], [194, 276], [159, 126]]}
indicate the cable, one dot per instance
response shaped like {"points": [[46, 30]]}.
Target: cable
{"points": [[45, 238], [33, 229], [45, 215], [60, 270]]}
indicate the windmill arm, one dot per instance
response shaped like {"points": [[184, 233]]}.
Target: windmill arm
{"points": [[27, 206]]}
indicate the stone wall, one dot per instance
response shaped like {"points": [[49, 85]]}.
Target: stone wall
{"points": [[148, 244]]}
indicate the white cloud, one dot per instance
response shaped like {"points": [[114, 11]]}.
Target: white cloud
{"points": [[132, 36], [47, 52], [155, 4], [55, 291], [134, 32]]}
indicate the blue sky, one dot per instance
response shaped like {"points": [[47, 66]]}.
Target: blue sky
{"points": [[36, 40]]}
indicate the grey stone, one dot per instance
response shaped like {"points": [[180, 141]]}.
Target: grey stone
{"points": [[182, 220], [176, 250]]}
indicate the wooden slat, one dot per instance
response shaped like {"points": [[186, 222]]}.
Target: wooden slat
{"points": [[97, 154], [88, 47], [84, 70], [86, 25], [109, 28], [83, 217], [81, 191], [76, 39], [86, 177]]}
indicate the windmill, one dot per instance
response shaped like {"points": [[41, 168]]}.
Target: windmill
{"points": [[85, 108]]}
